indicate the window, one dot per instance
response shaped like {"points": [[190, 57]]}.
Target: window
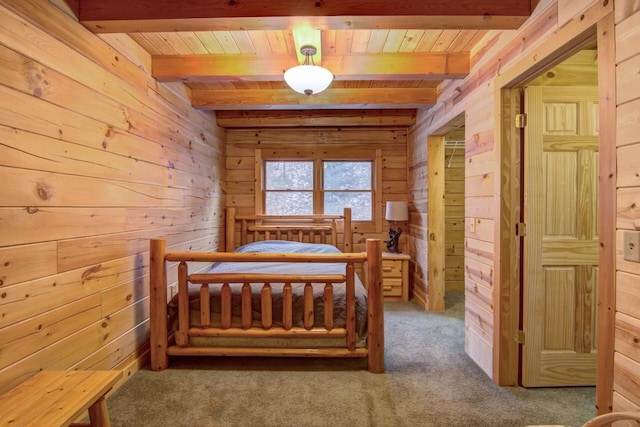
{"points": [[302, 187], [348, 184]]}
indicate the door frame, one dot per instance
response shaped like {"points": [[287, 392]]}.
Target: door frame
{"points": [[596, 23]]}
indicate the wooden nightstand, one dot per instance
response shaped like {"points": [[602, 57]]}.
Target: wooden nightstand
{"points": [[395, 276]]}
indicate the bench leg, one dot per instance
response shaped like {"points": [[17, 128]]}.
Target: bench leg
{"points": [[98, 414]]}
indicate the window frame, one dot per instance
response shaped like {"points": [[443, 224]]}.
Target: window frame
{"points": [[375, 157]]}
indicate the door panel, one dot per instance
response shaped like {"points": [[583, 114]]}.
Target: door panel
{"points": [[560, 250]]}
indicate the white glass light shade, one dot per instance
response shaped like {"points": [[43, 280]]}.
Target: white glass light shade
{"points": [[308, 79], [397, 211]]}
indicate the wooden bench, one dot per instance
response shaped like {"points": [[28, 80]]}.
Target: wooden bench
{"points": [[58, 398]]}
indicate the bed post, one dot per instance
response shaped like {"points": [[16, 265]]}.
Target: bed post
{"points": [[375, 307], [158, 305], [230, 230], [347, 234]]}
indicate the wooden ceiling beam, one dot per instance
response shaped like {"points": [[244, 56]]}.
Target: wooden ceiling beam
{"points": [[127, 16], [211, 68], [334, 118], [399, 66], [286, 99], [385, 66]]}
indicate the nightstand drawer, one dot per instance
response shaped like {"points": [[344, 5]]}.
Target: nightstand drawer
{"points": [[391, 268], [395, 276], [392, 287]]}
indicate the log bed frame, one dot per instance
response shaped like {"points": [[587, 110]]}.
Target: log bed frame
{"points": [[312, 228]]}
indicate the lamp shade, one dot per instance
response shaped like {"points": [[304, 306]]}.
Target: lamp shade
{"points": [[308, 79], [397, 211]]}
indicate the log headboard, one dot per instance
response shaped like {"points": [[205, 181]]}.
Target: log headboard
{"points": [[330, 229]]}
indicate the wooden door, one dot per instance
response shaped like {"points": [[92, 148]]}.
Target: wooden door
{"points": [[560, 249]]}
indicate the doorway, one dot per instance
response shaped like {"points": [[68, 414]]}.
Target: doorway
{"points": [[454, 203], [438, 206]]}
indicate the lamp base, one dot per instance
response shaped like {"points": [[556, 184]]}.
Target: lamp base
{"points": [[392, 243]]}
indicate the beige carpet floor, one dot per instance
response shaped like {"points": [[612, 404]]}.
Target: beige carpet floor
{"points": [[429, 381]]}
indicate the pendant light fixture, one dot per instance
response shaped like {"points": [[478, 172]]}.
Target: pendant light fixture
{"points": [[308, 78]]}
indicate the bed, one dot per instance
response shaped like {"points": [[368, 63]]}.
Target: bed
{"points": [[282, 289]]}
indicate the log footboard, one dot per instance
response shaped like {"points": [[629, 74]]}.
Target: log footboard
{"points": [[314, 326]]}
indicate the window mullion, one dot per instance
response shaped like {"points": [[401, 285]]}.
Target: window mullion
{"points": [[318, 187], [259, 186]]}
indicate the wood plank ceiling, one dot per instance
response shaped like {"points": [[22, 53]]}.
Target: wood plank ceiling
{"points": [[232, 53]]}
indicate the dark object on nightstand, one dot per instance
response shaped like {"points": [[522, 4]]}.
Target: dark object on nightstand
{"points": [[392, 243]]}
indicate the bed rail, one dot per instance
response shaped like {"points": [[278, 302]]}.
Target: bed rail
{"points": [[160, 348]]}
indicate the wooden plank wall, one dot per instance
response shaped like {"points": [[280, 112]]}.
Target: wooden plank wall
{"points": [[475, 98], [626, 376], [95, 159], [454, 183], [333, 143]]}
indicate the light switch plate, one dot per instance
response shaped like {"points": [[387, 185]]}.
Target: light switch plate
{"points": [[632, 246]]}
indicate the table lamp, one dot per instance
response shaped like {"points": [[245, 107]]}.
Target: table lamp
{"points": [[396, 211]]}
